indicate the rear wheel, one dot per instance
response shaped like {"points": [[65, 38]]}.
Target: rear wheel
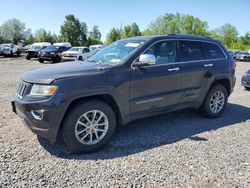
{"points": [[18, 53], [28, 57], [215, 102], [89, 126]]}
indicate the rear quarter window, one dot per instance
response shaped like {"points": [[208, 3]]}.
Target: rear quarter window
{"points": [[213, 51]]}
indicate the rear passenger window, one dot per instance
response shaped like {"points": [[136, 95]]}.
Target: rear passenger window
{"points": [[190, 51], [214, 51]]}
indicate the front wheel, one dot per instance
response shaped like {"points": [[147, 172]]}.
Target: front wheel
{"points": [[89, 126], [80, 58], [215, 102], [41, 60], [57, 59]]}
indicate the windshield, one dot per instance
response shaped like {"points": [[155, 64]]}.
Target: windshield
{"points": [[36, 47], [75, 49], [52, 47], [116, 52]]}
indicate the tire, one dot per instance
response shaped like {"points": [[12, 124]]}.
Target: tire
{"points": [[18, 53], [80, 58], [56, 60], [28, 57], [247, 88], [91, 109], [210, 110], [41, 60]]}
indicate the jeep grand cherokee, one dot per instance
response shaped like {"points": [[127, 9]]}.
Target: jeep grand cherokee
{"points": [[127, 80]]}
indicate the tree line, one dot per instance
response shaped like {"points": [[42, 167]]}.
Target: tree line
{"points": [[76, 32]]}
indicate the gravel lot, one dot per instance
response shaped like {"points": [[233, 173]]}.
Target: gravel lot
{"points": [[178, 149]]}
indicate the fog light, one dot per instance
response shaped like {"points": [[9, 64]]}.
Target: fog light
{"points": [[37, 114]]}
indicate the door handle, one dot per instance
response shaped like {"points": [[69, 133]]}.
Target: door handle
{"points": [[209, 65], [174, 69]]}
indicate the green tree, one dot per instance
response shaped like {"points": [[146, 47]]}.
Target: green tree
{"points": [[228, 34], [245, 40], [30, 40], [74, 31], [41, 35], [95, 33], [131, 30], [113, 35], [177, 23], [14, 30], [93, 41]]}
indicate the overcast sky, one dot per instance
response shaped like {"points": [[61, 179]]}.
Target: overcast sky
{"points": [[49, 14]]}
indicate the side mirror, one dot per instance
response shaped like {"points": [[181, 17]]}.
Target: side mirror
{"points": [[145, 59]]}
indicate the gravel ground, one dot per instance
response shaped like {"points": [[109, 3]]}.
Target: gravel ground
{"points": [[180, 149]]}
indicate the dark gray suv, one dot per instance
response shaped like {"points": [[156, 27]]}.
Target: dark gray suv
{"points": [[127, 80]]}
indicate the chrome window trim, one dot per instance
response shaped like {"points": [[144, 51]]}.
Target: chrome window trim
{"points": [[181, 62]]}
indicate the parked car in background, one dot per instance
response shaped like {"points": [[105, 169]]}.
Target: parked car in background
{"points": [[130, 79], [85, 53], [245, 80], [9, 50], [88, 53], [71, 54], [243, 56], [35, 49], [53, 53], [23, 49]]}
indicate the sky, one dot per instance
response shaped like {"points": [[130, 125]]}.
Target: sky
{"points": [[50, 14]]}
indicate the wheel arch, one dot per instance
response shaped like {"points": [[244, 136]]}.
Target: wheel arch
{"points": [[107, 98], [224, 81]]}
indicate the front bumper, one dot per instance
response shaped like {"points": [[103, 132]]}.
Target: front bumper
{"points": [[47, 57], [68, 58], [32, 55], [48, 126]]}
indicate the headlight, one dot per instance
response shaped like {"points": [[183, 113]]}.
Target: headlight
{"points": [[52, 53], [43, 90]]}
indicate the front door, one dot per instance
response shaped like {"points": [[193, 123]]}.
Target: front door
{"points": [[156, 86]]}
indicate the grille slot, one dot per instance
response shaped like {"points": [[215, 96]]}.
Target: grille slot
{"points": [[21, 89]]}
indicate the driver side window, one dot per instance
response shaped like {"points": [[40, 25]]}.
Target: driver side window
{"points": [[164, 52]]}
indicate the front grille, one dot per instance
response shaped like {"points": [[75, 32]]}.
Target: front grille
{"points": [[21, 89]]}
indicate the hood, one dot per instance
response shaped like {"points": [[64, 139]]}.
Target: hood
{"points": [[6, 48], [50, 50], [48, 74]]}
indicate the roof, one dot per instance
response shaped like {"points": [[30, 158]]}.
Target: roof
{"points": [[171, 36]]}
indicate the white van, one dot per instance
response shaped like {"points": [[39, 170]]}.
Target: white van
{"points": [[66, 44], [41, 44]]}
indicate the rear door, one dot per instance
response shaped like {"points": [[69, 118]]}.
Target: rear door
{"points": [[156, 86], [191, 57], [216, 58]]}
